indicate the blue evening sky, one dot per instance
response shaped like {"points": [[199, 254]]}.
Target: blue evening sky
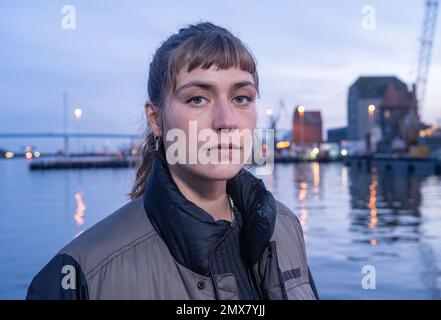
{"points": [[308, 52]]}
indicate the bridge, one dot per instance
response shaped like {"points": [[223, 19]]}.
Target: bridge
{"points": [[70, 135], [67, 136]]}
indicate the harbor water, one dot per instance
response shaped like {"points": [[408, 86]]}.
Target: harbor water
{"points": [[352, 218]]}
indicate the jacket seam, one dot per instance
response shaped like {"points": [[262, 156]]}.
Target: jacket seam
{"points": [[226, 275], [110, 257], [290, 215], [288, 288]]}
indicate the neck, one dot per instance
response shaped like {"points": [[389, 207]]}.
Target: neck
{"points": [[209, 195]]}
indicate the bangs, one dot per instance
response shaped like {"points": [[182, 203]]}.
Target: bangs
{"points": [[208, 50]]}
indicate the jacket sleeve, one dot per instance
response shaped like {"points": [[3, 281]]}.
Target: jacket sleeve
{"points": [[61, 279]]}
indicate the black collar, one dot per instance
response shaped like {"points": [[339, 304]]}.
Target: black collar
{"points": [[190, 232]]}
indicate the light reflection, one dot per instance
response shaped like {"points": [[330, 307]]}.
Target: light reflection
{"points": [[78, 234], [385, 204], [81, 207], [373, 205], [344, 176], [316, 177], [303, 190], [373, 202], [271, 180]]}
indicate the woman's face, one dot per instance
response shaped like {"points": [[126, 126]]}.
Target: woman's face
{"points": [[216, 112]]}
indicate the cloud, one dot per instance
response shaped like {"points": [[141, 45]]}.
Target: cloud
{"points": [[308, 53]]}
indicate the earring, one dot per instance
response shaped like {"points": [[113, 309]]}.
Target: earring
{"points": [[157, 139]]}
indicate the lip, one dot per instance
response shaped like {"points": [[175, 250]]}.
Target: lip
{"points": [[228, 146]]}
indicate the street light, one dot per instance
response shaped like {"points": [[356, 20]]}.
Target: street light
{"points": [[78, 114], [269, 111], [371, 110]]}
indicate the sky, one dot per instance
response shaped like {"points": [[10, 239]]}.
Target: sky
{"points": [[308, 53]]}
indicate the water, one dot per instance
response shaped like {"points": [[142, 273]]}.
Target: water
{"points": [[351, 219]]}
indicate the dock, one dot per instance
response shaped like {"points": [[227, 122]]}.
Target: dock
{"points": [[72, 163]]}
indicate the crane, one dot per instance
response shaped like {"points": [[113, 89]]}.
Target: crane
{"points": [[275, 115], [426, 42]]}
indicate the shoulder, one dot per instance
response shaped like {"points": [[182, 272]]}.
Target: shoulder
{"points": [[119, 232], [108, 240], [288, 229], [291, 252], [287, 215]]}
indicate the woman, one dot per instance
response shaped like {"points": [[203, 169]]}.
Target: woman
{"points": [[192, 230]]}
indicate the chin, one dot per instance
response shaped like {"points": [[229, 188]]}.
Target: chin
{"points": [[218, 171]]}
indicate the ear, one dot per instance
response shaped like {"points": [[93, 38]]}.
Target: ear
{"points": [[153, 118]]}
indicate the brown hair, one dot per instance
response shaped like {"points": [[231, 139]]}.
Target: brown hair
{"points": [[201, 45]]}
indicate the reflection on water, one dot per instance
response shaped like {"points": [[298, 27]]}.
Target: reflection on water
{"points": [[350, 217], [385, 205], [393, 200], [79, 213], [44, 210]]}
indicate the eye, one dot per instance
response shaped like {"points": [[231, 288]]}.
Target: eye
{"points": [[242, 100], [197, 101]]}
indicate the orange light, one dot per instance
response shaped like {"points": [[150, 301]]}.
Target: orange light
{"points": [[429, 131], [316, 174], [371, 109], [28, 155], [303, 190], [9, 155], [282, 144], [373, 202]]}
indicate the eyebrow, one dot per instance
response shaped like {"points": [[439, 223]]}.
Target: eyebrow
{"points": [[209, 87]]}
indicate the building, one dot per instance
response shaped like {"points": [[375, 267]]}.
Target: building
{"points": [[337, 135], [307, 128], [397, 119], [382, 114]]}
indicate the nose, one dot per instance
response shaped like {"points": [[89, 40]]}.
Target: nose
{"points": [[224, 117]]}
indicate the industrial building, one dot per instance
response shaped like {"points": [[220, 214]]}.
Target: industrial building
{"points": [[382, 115], [307, 128]]}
